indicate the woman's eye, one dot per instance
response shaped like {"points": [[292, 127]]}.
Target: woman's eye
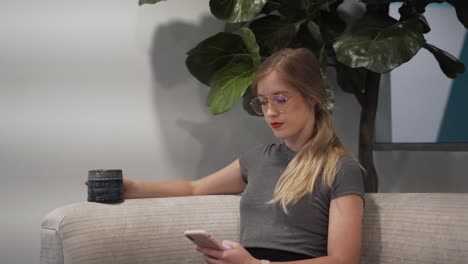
{"points": [[265, 102], [280, 99]]}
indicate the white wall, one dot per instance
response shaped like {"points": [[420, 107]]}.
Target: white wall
{"points": [[419, 98], [404, 171], [102, 84]]}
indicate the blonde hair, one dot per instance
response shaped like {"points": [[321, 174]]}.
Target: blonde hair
{"points": [[320, 155]]}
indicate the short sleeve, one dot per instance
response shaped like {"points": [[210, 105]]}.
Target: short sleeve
{"points": [[348, 180], [249, 160]]}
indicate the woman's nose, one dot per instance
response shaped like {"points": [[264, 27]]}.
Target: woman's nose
{"points": [[270, 110]]}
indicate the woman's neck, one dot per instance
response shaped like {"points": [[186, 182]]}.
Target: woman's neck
{"points": [[296, 143]]}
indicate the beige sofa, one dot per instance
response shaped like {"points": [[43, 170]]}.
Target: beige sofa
{"points": [[398, 228]]}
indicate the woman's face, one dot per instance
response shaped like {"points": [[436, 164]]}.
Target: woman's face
{"points": [[291, 119]]}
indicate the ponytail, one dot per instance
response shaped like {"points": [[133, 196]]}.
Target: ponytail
{"points": [[319, 156]]}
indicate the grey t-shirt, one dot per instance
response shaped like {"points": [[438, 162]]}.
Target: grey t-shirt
{"points": [[304, 229]]}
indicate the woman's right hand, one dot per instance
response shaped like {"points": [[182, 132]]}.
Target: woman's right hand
{"points": [[130, 188]]}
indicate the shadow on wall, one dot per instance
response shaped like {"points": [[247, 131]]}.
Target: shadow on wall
{"points": [[193, 138], [345, 115]]}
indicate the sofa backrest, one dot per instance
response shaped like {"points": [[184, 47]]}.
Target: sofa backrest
{"points": [[415, 228], [398, 228]]}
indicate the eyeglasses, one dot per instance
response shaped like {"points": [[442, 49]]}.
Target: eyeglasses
{"points": [[277, 102]]}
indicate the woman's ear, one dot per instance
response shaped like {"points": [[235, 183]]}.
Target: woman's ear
{"points": [[313, 104]]}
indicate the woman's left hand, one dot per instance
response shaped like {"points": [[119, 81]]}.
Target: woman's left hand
{"points": [[234, 254]]}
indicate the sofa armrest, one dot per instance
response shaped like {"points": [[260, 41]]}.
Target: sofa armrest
{"points": [[136, 231]]}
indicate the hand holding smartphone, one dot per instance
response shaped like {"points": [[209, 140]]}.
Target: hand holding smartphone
{"points": [[202, 238]]}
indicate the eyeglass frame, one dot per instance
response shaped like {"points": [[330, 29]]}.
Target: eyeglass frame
{"points": [[270, 104]]}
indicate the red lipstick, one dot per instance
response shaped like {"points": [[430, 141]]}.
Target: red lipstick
{"points": [[276, 125]]}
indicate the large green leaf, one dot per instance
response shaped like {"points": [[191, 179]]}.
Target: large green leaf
{"points": [[273, 33], [236, 10], [408, 11], [249, 40], [329, 94], [246, 99], [376, 2], [351, 80], [142, 2], [327, 5], [461, 6], [227, 63], [228, 85], [331, 26], [379, 44], [450, 65], [215, 53], [323, 59], [294, 8], [309, 37], [314, 31], [288, 8], [271, 6]]}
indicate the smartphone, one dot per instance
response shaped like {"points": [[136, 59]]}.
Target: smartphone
{"points": [[203, 239]]}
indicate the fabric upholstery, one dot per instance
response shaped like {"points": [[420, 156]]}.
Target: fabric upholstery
{"points": [[415, 228], [398, 228]]}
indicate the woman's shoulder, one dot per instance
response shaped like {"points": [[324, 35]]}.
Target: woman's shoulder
{"points": [[349, 176], [257, 155], [348, 170], [346, 162]]}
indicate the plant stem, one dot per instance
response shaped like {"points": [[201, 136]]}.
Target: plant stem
{"points": [[366, 130]]}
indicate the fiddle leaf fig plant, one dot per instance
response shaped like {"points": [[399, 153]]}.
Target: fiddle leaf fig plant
{"points": [[359, 47], [227, 62], [232, 11], [390, 43]]}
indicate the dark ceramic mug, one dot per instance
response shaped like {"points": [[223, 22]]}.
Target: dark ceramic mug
{"points": [[105, 186]]}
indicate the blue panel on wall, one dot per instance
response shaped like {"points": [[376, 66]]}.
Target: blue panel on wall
{"points": [[454, 126]]}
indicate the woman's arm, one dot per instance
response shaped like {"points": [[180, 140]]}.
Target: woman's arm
{"points": [[344, 238], [344, 232], [225, 181], [345, 229]]}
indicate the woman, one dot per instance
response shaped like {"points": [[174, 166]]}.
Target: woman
{"points": [[301, 199]]}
